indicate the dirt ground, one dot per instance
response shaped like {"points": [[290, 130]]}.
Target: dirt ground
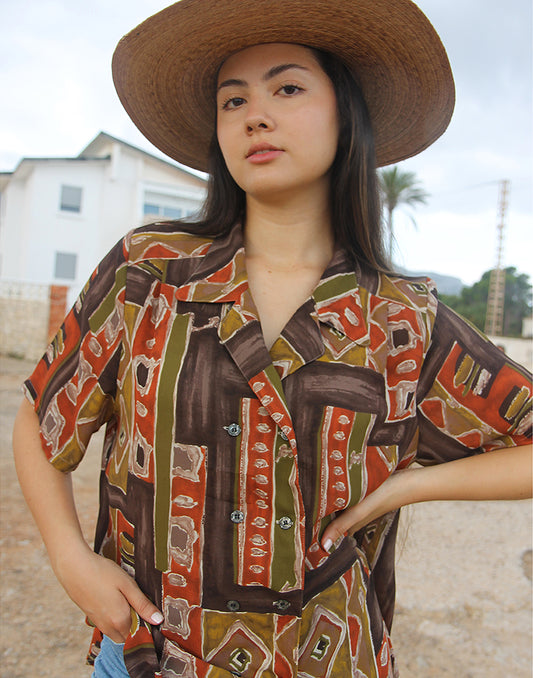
{"points": [[464, 604]]}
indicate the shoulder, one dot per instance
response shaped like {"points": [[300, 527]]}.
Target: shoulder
{"points": [[165, 241], [417, 293]]}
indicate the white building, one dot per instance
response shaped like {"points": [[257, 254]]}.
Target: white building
{"points": [[59, 216]]}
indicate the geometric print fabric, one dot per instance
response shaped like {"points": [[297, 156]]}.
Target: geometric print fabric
{"points": [[223, 462]]}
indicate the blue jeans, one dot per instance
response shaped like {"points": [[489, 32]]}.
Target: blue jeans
{"points": [[110, 661]]}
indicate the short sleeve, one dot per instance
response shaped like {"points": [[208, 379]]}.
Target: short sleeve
{"points": [[73, 386], [471, 398]]}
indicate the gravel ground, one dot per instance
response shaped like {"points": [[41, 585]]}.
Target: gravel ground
{"points": [[464, 604]]}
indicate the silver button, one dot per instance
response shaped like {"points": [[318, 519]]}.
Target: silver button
{"points": [[237, 516], [285, 523], [233, 429], [283, 436], [281, 605], [233, 605]]}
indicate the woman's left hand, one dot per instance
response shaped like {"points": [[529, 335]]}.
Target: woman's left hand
{"points": [[500, 474], [387, 497]]}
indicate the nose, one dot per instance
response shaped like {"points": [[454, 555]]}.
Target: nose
{"points": [[257, 116], [256, 123]]}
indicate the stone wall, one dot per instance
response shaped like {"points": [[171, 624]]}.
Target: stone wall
{"points": [[30, 314]]}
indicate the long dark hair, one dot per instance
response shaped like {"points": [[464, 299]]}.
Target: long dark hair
{"points": [[354, 193]]}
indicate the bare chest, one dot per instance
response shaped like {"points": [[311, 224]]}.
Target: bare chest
{"points": [[278, 295]]}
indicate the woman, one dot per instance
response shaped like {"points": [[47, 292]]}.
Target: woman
{"points": [[266, 384]]}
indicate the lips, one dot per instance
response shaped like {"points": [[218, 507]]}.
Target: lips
{"points": [[261, 149]]}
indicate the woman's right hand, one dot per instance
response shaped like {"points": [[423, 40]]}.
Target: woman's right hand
{"points": [[103, 591], [97, 585]]}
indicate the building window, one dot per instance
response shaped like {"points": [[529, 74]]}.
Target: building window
{"points": [[160, 206], [66, 265], [152, 210], [71, 198]]}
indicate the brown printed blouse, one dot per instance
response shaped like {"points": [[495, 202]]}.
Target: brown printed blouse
{"points": [[223, 462]]}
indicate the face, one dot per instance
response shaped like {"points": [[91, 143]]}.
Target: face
{"points": [[277, 121]]}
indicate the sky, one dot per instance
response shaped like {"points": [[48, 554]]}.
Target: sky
{"points": [[57, 94]]}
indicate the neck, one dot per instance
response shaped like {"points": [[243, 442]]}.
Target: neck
{"points": [[289, 232]]}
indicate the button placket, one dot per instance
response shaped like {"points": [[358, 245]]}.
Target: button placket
{"points": [[272, 404]]}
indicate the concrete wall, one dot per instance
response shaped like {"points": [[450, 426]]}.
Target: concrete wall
{"points": [[519, 350]]}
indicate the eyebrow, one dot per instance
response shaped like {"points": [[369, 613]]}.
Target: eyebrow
{"points": [[271, 73]]}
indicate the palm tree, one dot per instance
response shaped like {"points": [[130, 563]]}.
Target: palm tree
{"points": [[399, 188]]}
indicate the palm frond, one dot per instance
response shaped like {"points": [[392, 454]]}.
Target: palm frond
{"points": [[398, 187]]}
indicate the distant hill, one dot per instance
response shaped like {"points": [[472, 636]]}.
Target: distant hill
{"points": [[446, 284]]}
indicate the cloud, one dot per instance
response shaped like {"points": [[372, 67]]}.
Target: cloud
{"points": [[58, 93], [462, 245]]}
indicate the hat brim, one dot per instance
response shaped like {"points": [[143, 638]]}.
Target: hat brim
{"points": [[165, 69]]}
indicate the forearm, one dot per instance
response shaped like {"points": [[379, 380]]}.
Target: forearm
{"points": [[501, 474], [48, 492], [97, 585]]}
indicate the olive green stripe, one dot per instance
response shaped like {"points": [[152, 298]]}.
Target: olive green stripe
{"points": [[237, 497], [335, 287], [164, 435], [275, 380], [360, 427], [473, 376], [520, 415], [284, 552], [319, 462], [107, 307]]}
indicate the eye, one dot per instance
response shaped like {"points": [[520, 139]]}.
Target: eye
{"points": [[290, 90], [232, 103]]}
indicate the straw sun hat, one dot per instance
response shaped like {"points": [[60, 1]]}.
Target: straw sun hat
{"points": [[165, 70]]}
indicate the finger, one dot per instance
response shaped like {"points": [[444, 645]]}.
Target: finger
{"points": [[142, 605], [116, 636], [115, 622], [114, 618], [339, 527]]}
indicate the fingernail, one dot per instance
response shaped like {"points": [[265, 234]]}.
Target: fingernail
{"points": [[156, 618], [327, 545]]}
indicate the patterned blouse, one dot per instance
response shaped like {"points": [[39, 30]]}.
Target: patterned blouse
{"points": [[223, 462]]}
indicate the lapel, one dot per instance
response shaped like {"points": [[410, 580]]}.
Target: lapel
{"points": [[338, 300], [334, 316], [334, 313], [221, 278]]}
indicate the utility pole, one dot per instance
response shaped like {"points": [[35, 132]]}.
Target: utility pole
{"points": [[495, 303]]}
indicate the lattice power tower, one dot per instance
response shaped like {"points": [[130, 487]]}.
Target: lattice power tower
{"points": [[496, 300]]}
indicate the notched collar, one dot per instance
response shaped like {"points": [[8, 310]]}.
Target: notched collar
{"points": [[338, 301], [220, 277]]}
